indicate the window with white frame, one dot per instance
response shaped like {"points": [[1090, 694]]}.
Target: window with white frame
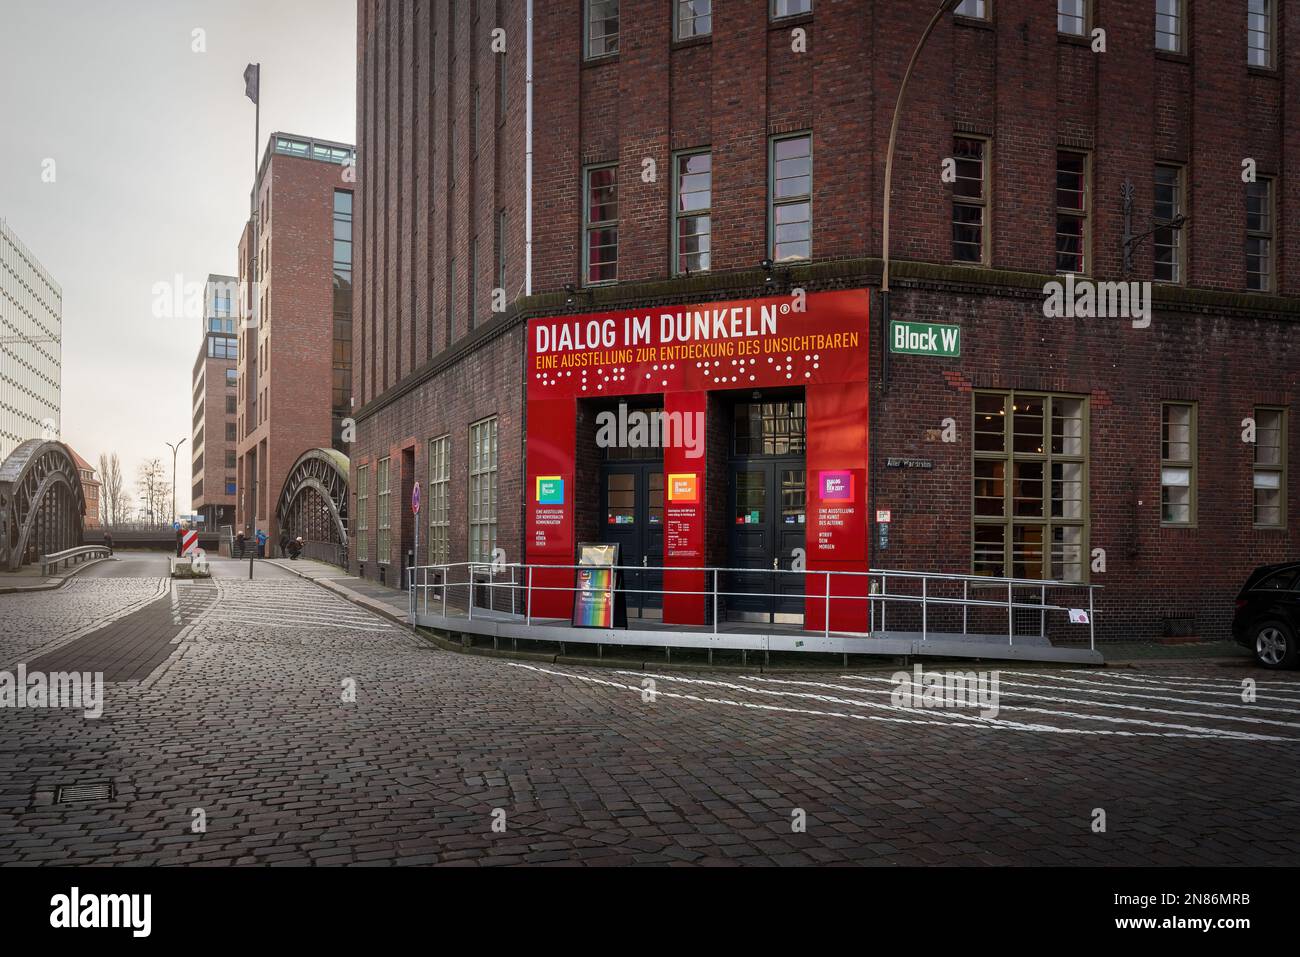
{"points": [[600, 23], [1166, 239], [1030, 477], [694, 18], [1178, 463], [974, 9], [600, 224], [439, 500], [1259, 235], [790, 197], [1169, 25], [970, 195], [1270, 468], [693, 197], [363, 513], [789, 8], [482, 490], [1072, 17], [385, 513], [1071, 212], [1260, 25]]}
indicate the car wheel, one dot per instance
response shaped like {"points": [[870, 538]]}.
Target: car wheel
{"points": [[1275, 645]]}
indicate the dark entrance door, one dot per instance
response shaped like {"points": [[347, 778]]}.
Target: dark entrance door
{"points": [[632, 504], [767, 511]]}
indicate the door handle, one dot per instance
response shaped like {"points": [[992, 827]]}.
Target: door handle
{"points": [[776, 562], [645, 561]]}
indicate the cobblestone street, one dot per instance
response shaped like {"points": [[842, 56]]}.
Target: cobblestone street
{"points": [[247, 718]]}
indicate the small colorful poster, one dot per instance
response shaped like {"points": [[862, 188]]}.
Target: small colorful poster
{"points": [[593, 602], [550, 490], [836, 486], [683, 487]]}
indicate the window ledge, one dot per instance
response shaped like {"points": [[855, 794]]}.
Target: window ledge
{"points": [[1074, 39], [979, 23], [1265, 71], [703, 40], [601, 60], [792, 20], [1173, 56]]}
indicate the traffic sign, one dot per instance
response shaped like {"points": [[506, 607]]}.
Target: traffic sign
{"points": [[415, 499]]}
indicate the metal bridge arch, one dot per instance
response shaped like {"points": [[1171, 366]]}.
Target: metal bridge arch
{"points": [[314, 500], [42, 503]]}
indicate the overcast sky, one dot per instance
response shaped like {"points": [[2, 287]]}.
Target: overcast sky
{"points": [[152, 145]]}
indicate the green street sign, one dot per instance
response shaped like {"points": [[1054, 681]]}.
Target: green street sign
{"points": [[924, 338]]}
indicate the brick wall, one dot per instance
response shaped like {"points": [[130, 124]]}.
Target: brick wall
{"points": [[420, 370]]}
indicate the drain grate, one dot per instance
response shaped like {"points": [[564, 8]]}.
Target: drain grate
{"points": [[69, 793]]}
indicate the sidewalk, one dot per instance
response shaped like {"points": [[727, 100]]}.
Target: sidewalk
{"points": [[30, 579], [381, 599]]}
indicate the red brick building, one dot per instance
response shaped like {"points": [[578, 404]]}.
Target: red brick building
{"points": [[215, 413], [90, 488], [295, 341], [687, 154]]}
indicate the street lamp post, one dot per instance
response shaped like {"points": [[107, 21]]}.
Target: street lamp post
{"points": [[175, 448], [946, 6]]}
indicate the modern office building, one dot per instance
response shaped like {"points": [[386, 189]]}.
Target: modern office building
{"points": [[31, 347], [215, 415], [295, 342], [1093, 365]]}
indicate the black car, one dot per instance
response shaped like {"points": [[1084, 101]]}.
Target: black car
{"points": [[1268, 615]]}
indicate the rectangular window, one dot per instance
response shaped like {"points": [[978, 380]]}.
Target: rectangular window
{"points": [[439, 500], [1071, 212], [230, 432], [385, 513], [230, 405], [482, 490], [1259, 235], [362, 517], [975, 9], [1166, 241], [1072, 17], [692, 222], [230, 460], [600, 218], [1030, 478], [1178, 463], [1260, 21], [790, 197], [1270, 468], [1169, 25], [694, 18], [601, 24], [232, 378], [970, 195], [788, 8]]}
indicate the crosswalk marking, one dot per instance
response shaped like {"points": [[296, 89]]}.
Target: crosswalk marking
{"points": [[1095, 706]]}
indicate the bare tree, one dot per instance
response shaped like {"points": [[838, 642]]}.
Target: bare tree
{"points": [[155, 491], [112, 504]]}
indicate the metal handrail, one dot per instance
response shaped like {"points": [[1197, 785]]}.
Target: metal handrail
{"points": [[55, 559], [419, 579]]}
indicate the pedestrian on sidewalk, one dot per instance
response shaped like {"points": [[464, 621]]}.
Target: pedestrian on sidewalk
{"points": [[295, 548], [261, 542], [239, 544]]}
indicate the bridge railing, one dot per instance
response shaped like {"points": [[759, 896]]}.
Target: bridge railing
{"points": [[72, 556]]}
